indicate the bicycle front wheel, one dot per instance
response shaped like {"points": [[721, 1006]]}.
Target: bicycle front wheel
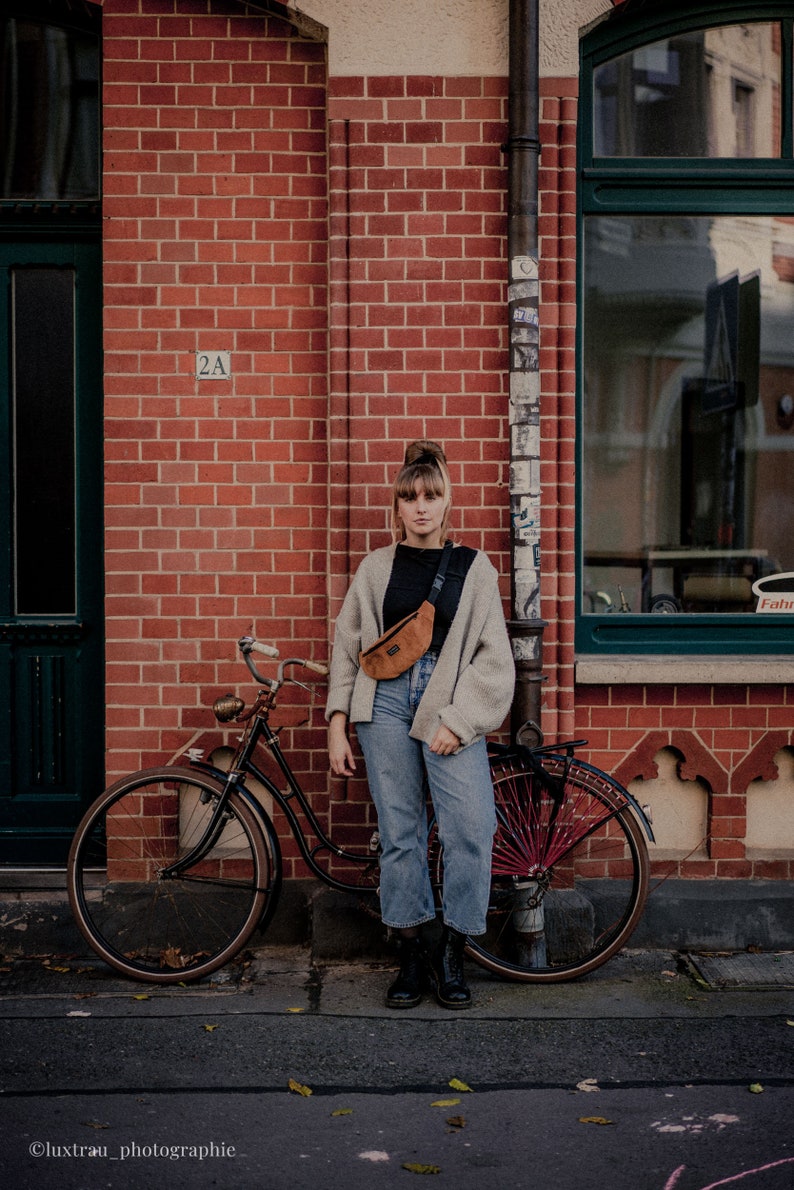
{"points": [[569, 872], [156, 923]]}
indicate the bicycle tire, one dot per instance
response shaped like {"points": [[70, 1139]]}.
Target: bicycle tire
{"points": [[178, 929], [570, 872]]}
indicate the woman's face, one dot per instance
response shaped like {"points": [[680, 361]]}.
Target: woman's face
{"points": [[422, 516]]}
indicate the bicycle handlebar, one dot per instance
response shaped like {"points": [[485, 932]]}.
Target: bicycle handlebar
{"points": [[249, 644], [258, 647]]}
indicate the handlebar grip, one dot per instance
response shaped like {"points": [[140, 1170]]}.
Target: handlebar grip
{"points": [[317, 667], [249, 645]]}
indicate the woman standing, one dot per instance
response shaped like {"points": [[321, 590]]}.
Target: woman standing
{"points": [[425, 728]]}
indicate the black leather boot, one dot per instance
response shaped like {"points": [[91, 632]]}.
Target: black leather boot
{"points": [[446, 970], [406, 991]]}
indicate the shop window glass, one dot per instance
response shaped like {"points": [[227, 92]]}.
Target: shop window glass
{"points": [[704, 93], [688, 411], [686, 365]]}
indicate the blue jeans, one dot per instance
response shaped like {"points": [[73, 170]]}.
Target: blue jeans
{"points": [[400, 770]]}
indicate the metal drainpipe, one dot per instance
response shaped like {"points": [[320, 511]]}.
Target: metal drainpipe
{"points": [[523, 149]]}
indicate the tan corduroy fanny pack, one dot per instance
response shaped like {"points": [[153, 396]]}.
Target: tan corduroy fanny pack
{"points": [[404, 643]]}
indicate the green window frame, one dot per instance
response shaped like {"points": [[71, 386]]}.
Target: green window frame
{"points": [[647, 187]]}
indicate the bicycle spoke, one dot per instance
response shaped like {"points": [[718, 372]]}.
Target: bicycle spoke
{"points": [[569, 872], [143, 912]]}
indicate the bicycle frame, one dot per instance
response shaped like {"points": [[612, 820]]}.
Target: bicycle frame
{"points": [[244, 765], [258, 730]]}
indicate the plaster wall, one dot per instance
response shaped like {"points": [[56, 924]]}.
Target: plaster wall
{"points": [[447, 37]]}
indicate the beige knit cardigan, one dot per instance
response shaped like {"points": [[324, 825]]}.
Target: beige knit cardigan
{"points": [[471, 687]]}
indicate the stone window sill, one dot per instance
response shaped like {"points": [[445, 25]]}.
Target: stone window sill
{"points": [[683, 670]]}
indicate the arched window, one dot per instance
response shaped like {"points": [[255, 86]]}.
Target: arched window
{"points": [[686, 483]]}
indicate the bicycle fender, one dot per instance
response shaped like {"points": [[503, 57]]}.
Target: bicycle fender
{"points": [[643, 817], [557, 749], [222, 775], [632, 801]]}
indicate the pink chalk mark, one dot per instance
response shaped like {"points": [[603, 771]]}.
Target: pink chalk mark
{"points": [[748, 1173], [672, 1181]]}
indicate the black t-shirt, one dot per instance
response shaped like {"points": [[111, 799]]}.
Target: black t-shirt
{"points": [[411, 580]]}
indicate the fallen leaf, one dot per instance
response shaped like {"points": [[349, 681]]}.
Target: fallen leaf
{"points": [[588, 1084], [60, 970], [445, 1103], [298, 1088], [756, 1088], [93, 1124], [141, 996], [790, 1022], [671, 974], [457, 1121], [342, 1111], [294, 1010], [209, 1028], [171, 957], [415, 1167], [595, 1120], [457, 1085]]}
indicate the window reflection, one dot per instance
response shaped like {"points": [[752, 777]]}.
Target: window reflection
{"points": [[49, 112], [708, 93], [688, 486]]}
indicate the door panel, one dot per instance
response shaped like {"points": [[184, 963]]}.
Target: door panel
{"points": [[51, 639]]}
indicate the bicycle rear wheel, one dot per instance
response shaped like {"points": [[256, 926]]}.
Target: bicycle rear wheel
{"points": [[170, 927], [569, 872]]}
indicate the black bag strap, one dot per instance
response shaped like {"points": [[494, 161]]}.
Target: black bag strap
{"points": [[441, 574]]}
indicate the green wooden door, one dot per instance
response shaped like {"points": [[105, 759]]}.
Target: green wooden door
{"points": [[51, 614]]}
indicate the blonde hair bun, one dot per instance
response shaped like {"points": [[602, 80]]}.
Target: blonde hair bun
{"points": [[424, 446]]}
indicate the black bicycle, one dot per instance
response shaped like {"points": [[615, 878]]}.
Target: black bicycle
{"points": [[172, 869]]}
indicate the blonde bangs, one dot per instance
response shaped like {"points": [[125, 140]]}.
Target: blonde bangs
{"points": [[431, 478]]}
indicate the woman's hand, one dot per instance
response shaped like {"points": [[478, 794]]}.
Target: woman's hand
{"points": [[445, 742], [339, 751]]}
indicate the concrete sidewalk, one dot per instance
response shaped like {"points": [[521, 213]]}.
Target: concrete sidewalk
{"points": [[712, 915], [283, 980]]}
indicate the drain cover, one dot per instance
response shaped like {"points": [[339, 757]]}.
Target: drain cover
{"points": [[721, 971]]}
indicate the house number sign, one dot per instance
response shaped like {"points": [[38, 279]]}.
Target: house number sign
{"points": [[213, 365]]}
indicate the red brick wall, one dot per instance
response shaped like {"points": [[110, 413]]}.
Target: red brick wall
{"points": [[217, 237], [557, 266], [418, 314], [418, 299], [345, 241], [215, 211]]}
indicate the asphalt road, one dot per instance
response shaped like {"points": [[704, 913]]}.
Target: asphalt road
{"points": [[636, 1078]]}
